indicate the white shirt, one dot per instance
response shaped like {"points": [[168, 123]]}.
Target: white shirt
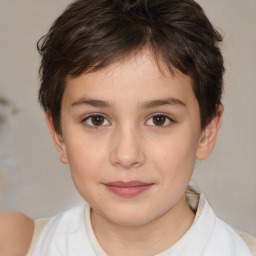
{"points": [[70, 234]]}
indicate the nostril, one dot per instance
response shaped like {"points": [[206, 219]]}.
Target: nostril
{"points": [[128, 158]]}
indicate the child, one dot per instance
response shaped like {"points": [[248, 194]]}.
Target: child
{"points": [[132, 95]]}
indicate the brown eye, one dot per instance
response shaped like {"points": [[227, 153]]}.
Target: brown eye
{"points": [[159, 120], [96, 120]]}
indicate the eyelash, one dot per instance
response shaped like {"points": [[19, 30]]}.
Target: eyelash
{"points": [[89, 117]]}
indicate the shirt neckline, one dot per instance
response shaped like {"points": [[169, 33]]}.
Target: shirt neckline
{"points": [[200, 201]]}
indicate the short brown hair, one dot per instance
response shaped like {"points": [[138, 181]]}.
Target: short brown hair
{"points": [[92, 34]]}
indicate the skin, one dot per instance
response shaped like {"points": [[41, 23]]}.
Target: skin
{"points": [[15, 234], [131, 144]]}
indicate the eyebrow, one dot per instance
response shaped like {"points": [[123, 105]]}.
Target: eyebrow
{"points": [[147, 104], [92, 102], [161, 102]]}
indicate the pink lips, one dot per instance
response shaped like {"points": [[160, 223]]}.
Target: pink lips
{"points": [[128, 189]]}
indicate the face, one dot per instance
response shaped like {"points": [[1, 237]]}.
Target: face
{"points": [[130, 134]]}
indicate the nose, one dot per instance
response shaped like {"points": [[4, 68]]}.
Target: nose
{"points": [[127, 149]]}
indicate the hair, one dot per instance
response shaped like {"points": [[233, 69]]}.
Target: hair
{"points": [[93, 34]]}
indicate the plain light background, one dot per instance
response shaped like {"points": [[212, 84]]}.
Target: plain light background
{"points": [[32, 179]]}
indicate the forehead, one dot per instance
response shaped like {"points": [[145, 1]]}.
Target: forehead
{"points": [[136, 78]]}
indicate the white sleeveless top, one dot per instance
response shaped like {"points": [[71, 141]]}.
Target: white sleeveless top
{"points": [[70, 234]]}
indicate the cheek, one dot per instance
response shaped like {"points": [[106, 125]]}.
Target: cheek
{"points": [[175, 156], [85, 158], [85, 164]]}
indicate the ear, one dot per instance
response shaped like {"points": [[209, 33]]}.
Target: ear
{"points": [[57, 139], [209, 135]]}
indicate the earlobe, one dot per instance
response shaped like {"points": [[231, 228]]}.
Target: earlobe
{"points": [[209, 135], [57, 139]]}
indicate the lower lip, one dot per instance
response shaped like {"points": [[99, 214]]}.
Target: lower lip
{"points": [[128, 191]]}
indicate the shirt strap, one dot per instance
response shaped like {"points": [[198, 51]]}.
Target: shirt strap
{"points": [[39, 226]]}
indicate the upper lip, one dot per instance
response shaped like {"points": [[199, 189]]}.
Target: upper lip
{"points": [[133, 183]]}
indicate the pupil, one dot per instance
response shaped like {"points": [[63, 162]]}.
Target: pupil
{"points": [[159, 120], [97, 120]]}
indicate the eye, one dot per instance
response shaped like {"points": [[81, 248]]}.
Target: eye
{"points": [[159, 120], [96, 120]]}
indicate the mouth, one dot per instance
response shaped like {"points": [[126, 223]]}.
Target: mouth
{"points": [[128, 189]]}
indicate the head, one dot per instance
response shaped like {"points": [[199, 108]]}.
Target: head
{"points": [[93, 34], [132, 94]]}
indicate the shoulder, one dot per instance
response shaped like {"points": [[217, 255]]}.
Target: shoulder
{"points": [[15, 233], [226, 237], [221, 239], [51, 234], [249, 240]]}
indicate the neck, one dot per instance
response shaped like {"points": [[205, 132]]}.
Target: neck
{"points": [[147, 239]]}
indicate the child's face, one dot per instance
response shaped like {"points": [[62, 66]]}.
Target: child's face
{"points": [[131, 136]]}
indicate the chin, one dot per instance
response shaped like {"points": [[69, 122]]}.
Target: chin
{"points": [[131, 222], [129, 217]]}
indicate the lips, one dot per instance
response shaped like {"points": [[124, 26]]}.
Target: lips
{"points": [[128, 189]]}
